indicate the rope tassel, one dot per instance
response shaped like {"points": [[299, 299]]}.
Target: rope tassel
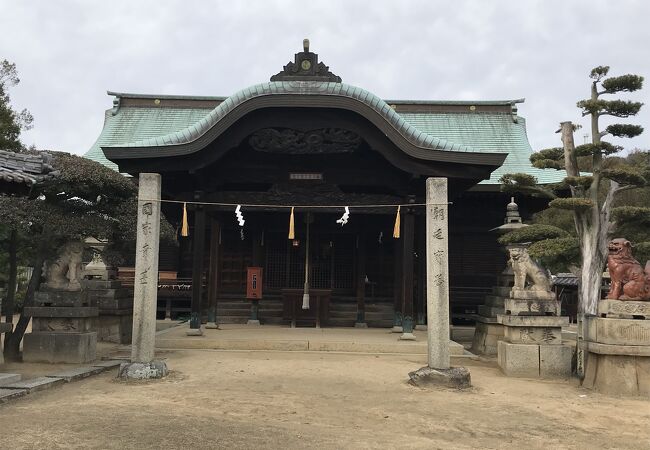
{"points": [[292, 234], [397, 223], [185, 229]]}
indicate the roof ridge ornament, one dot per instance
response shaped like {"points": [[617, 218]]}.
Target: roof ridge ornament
{"points": [[306, 68]]}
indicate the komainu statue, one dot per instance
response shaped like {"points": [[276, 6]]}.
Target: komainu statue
{"points": [[629, 280], [65, 272], [525, 269]]}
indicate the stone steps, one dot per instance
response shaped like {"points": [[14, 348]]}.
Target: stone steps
{"points": [[342, 313]]}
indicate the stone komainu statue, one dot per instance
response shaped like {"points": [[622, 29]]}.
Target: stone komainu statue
{"points": [[525, 269], [629, 280], [65, 272]]}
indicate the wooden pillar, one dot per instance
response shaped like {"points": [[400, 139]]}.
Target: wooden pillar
{"points": [[256, 262], [361, 282], [408, 236], [421, 301], [197, 271], [397, 286], [213, 275]]}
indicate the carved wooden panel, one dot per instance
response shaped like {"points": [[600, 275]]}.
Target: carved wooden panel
{"points": [[290, 141]]}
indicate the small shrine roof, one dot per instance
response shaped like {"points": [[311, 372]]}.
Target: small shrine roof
{"points": [[25, 170]]}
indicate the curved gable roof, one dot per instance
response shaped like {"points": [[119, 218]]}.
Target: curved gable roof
{"points": [[196, 130], [196, 136]]}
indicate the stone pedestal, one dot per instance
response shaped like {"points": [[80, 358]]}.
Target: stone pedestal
{"points": [[532, 346], [62, 328], [488, 331], [115, 304], [617, 344]]}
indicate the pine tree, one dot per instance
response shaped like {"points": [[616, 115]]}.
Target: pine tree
{"points": [[591, 194], [11, 122]]}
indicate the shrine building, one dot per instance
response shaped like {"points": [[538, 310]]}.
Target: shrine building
{"points": [[309, 141]]}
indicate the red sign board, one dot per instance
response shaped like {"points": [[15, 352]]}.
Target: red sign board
{"points": [[254, 283]]}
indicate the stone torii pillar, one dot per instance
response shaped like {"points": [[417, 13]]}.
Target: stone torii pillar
{"points": [[145, 284], [439, 370]]}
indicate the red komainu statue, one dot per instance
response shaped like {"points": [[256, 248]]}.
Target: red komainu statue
{"points": [[629, 280]]}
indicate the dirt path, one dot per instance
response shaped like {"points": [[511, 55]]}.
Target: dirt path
{"points": [[319, 400]]}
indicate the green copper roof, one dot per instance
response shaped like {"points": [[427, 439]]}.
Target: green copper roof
{"points": [[195, 130], [486, 132], [489, 132]]}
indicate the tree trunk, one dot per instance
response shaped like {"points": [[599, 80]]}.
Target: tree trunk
{"points": [[12, 342], [10, 301], [592, 227], [591, 272]]}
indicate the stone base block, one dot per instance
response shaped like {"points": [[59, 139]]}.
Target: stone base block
{"points": [[212, 326], [421, 327], [60, 298], [555, 361], [530, 307], [61, 311], [533, 335], [360, 325], [143, 371], [63, 324], [253, 322], [490, 311], [518, 360], [501, 291], [94, 285], [532, 321], [108, 363], [534, 361], [35, 384], [194, 331], [115, 328], [624, 309], [496, 300], [618, 331], [8, 378], [396, 329], [618, 374], [77, 373], [73, 348], [407, 337], [454, 377], [112, 302], [526, 294], [10, 394], [486, 337]]}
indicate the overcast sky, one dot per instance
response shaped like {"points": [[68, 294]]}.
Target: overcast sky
{"points": [[69, 53]]}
